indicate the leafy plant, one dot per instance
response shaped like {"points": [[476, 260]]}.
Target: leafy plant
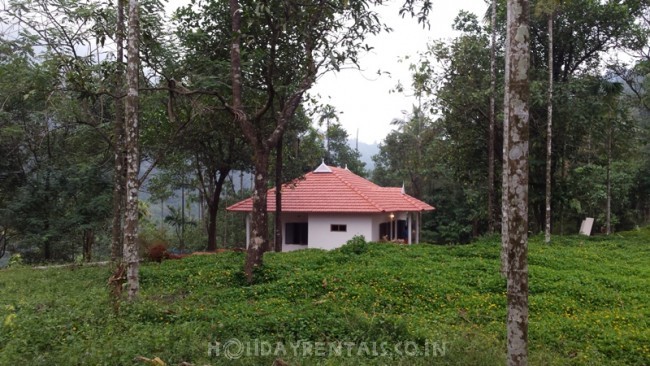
{"points": [[16, 260], [357, 245]]}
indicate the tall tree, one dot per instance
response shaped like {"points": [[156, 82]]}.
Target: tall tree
{"points": [[492, 133], [311, 37], [516, 112], [612, 92], [119, 180], [548, 9], [549, 132], [278, 197], [66, 111], [505, 209], [131, 258]]}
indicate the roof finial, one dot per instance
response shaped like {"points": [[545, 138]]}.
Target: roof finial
{"points": [[403, 188], [346, 167], [323, 168]]}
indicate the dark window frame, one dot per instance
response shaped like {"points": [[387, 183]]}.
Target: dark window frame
{"points": [[298, 231], [339, 228]]}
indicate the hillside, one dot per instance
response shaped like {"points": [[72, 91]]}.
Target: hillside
{"points": [[367, 151], [387, 304]]}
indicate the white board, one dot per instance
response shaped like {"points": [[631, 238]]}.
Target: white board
{"points": [[587, 224]]}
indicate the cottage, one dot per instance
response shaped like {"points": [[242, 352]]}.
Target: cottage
{"points": [[327, 207]]}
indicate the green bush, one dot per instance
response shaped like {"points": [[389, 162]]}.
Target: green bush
{"points": [[15, 260], [357, 245]]}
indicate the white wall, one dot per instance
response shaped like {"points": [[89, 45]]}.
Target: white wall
{"points": [[376, 221], [292, 247], [319, 227], [321, 236]]}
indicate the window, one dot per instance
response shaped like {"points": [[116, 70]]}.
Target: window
{"points": [[296, 233], [337, 227]]}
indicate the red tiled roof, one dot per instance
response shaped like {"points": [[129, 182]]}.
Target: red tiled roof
{"points": [[337, 191]]}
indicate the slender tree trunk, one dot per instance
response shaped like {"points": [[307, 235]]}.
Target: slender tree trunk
{"points": [[3, 241], [549, 132], [212, 227], [278, 197], [213, 209], [88, 241], [259, 225], [262, 145], [516, 111], [492, 137], [609, 180], [162, 213], [235, 59], [182, 236], [118, 141], [132, 155], [47, 246], [504, 173], [201, 207], [328, 156]]}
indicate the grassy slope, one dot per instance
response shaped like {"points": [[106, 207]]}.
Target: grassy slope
{"points": [[589, 305]]}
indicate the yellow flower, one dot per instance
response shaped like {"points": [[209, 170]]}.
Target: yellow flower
{"points": [[9, 320]]}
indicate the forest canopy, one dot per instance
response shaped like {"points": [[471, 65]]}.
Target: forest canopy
{"points": [[60, 100]]}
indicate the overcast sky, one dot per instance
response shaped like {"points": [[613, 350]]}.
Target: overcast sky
{"points": [[362, 96]]}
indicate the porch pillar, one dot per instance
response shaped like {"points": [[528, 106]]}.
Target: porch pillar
{"points": [[417, 228], [408, 218], [248, 229]]}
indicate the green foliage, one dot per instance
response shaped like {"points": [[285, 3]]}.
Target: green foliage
{"points": [[446, 161], [339, 151], [588, 305], [335, 147], [587, 187], [356, 245], [15, 260]]}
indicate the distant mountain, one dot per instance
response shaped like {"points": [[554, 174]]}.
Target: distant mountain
{"points": [[367, 152]]}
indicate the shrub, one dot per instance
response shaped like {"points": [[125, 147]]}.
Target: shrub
{"points": [[157, 252], [356, 245], [15, 260]]}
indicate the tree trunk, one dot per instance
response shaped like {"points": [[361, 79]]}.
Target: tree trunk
{"points": [[259, 227], [278, 197], [213, 209], [608, 223], [492, 137], [254, 134], [182, 236], [504, 173], [132, 155], [3, 242], [119, 172], [516, 112], [549, 132], [88, 241], [212, 226], [235, 60], [162, 214], [47, 246]]}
